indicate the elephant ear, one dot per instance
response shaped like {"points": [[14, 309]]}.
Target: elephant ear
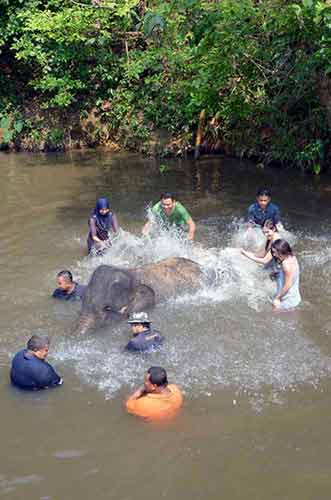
{"points": [[144, 298], [121, 297]]}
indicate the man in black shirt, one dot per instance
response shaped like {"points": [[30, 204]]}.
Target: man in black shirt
{"points": [[30, 370], [68, 289]]}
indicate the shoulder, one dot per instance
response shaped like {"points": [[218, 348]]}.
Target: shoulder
{"points": [[176, 393], [140, 406], [273, 207], [252, 207], [290, 264], [19, 356], [156, 207], [58, 294], [79, 290], [179, 207]]}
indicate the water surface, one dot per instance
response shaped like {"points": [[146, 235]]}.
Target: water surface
{"points": [[255, 424]]}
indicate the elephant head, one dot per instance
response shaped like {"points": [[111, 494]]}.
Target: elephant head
{"points": [[112, 294]]}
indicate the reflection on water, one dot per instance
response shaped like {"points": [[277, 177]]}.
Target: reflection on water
{"points": [[224, 346]]}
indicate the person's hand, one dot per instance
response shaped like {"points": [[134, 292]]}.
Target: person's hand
{"points": [[245, 252], [276, 303]]}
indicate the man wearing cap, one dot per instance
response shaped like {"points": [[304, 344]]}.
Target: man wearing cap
{"points": [[144, 337]]}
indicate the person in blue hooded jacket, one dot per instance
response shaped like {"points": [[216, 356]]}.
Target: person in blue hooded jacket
{"points": [[102, 220], [30, 370], [144, 337]]}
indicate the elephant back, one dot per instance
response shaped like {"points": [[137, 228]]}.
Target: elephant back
{"points": [[170, 277]]}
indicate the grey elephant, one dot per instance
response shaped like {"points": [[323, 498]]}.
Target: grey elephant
{"points": [[113, 293]]}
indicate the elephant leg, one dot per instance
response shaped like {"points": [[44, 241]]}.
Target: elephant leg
{"points": [[144, 298]]}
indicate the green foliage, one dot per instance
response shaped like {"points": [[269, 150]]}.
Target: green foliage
{"points": [[262, 68], [11, 127]]}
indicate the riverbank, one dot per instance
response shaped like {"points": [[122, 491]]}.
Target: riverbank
{"points": [[250, 79]]}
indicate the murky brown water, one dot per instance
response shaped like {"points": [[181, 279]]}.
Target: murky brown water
{"points": [[256, 420]]}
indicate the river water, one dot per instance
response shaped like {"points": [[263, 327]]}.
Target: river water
{"points": [[256, 419]]}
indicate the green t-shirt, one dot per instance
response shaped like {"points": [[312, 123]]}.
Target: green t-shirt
{"points": [[178, 217]]}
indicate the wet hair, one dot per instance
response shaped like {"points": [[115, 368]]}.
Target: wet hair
{"points": [[36, 342], [166, 195], [157, 376], [269, 224], [282, 247], [263, 192], [67, 275]]}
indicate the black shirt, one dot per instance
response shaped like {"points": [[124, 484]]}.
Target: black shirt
{"points": [[76, 294]]}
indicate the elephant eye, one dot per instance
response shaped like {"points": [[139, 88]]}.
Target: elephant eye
{"points": [[107, 308]]}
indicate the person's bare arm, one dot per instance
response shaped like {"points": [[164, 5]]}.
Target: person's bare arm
{"points": [[260, 260], [137, 394], [115, 224], [146, 228], [191, 229]]}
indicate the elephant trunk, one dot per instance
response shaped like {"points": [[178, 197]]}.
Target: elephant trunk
{"points": [[86, 322]]}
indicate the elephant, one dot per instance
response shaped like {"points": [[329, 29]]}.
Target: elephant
{"points": [[114, 293]]}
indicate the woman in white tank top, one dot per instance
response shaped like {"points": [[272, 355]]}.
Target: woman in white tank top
{"points": [[288, 279]]}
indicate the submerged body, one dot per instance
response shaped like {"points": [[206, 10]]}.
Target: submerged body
{"points": [[76, 294], [292, 298], [32, 374], [157, 406], [101, 222], [288, 277], [156, 400], [148, 340]]}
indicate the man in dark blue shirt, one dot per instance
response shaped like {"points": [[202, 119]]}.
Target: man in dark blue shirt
{"points": [[263, 209], [144, 338], [68, 289], [30, 370]]}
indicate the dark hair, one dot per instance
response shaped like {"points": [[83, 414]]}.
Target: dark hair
{"points": [[157, 376], [35, 343], [166, 195], [263, 192], [282, 247], [67, 275], [269, 224]]}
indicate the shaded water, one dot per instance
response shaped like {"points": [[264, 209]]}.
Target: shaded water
{"points": [[256, 384]]}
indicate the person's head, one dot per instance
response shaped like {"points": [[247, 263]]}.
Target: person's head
{"points": [[102, 206], [39, 345], [263, 197], [139, 322], [155, 379], [167, 202], [269, 229], [280, 249], [64, 280]]}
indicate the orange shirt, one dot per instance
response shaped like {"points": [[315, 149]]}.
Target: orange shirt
{"points": [[155, 406]]}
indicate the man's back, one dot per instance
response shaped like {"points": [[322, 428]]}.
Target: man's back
{"points": [[30, 373], [157, 406]]}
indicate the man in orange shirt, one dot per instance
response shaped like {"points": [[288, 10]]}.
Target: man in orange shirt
{"points": [[156, 400]]}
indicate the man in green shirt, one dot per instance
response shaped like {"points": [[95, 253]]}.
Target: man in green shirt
{"points": [[171, 213]]}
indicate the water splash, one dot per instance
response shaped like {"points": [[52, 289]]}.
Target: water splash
{"points": [[223, 336]]}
